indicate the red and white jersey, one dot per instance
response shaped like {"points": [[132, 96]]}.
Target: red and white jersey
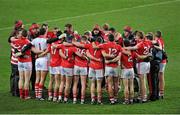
{"points": [[20, 43], [127, 60], [68, 52], [79, 61], [40, 43], [55, 58], [97, 54], [143, 48], [160, 41], [111, 48], [14, 59]]}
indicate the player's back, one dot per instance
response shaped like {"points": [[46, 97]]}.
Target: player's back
{"points": [[39, 43], [111, 48]]}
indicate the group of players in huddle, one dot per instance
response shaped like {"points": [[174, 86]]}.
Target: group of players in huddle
{"points": [[97, 55]]}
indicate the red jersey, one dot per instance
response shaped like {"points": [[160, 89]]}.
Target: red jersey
{"points": [[51, 35], [111, 48], [55, 58], [143, 48], [160, 41], [69, 52], [20, 43], [120, 41], [127, 60], [80, 61], [97, 54]]}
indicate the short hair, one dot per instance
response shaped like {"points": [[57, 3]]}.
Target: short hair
{"points": [[149, 36], [84, 37], [44, 24], [106, 26], [99, 39], [112, 29], [158, 34], [42, 31], [126, 43], [24, 33], [68, 25], [87, 33], [140, 34], [111, 37]]}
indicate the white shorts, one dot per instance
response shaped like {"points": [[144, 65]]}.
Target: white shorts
{"points": [[127, 73], [55, 70], [143, 67], [68, 72], [111, 71], [80, 70], [95, 74], [162, 67], [24, 66], [41, 64]]}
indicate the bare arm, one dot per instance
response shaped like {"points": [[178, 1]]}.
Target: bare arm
{"points": [[143, 56], [158, 47], [44, 53], [95, 46], [106, 55], [67, 44], [36, 51], [92, 57], [131, 48], [126, 52], [116, 59], [81, 55], [62, 54], [77, 44]]}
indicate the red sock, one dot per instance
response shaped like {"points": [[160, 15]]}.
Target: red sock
{"points": [[49, 93], [55, 94], [111, 98], [93, 97], [21, 93], [99, 98], [36, 89], [40, 91], [26, 93], [82, 97], [60, 94], [75, 96]]}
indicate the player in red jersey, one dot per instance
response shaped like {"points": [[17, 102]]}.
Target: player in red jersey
{"points": [[117, 36], [143, 67], [67, 53], [95, 70], [160, 41], [109, 51], [24, 63], [54, 69], [127, 74], [80, 70]]}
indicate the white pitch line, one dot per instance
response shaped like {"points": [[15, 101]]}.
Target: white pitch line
{"points": [[98, 13]]}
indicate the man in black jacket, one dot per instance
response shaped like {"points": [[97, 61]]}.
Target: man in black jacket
{"points": [[154, 70]]}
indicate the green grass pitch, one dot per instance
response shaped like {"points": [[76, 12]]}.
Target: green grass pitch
{"points": [[146, 15]]}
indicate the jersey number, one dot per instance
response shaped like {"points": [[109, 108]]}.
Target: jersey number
{"points": [[130, 59], [112, 51], [39, 46], [146, 50], [66, 52]]}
